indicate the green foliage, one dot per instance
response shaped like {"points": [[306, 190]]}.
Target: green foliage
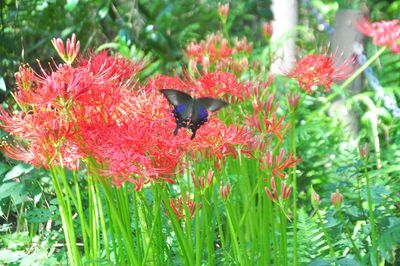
{"points": [[157, 32]]}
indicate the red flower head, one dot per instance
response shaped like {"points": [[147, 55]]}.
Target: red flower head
{"points": [[384, 33], [179, 207], [274, 194], [215, 54], [320, 71]]}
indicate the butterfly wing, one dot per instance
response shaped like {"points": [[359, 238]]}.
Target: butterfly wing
{"points": [[183, 105], [181, 101], [211, 104], [200, 110]]}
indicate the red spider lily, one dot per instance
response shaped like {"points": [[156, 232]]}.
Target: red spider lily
{"points": [[384, 33], [273, 193], [221, 84], [72, 49], [199, 182], [320, 71], [277, 164], [242, 45], [258, 89], [215, 54], [49, 135], [265, 125], [138, 147], [90, 110], [217, 85], [215, 48], [217, 139], [179, 207], [96, 112], [274, 126]]}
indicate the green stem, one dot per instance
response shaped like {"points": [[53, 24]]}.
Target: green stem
{"points": [[182, 239], [347, 230], [371, 214], [121, 227], [328, 240], [292, 150], [226, 32], [154, 226], [66, 215], [233, 231]]}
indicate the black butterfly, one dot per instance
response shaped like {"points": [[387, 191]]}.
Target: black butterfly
{"points": [[191, 112]]}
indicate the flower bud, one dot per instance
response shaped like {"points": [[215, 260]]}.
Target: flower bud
{"points": [[225, 191], [293, 100], [315, 199], [223, 12], [267, 30], [337, 198], [364, 151]]}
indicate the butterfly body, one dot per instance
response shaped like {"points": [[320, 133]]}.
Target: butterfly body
{"points": [[191, 112]]}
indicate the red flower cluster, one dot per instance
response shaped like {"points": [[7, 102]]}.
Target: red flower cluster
{"points": [[320, 71], [96, 112], [215, 54], [214, 84], [179, 207], [384, 33], [277, 166]]}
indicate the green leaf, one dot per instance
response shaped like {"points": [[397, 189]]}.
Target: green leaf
{"points": [[103, 12], [319, 262], [2, 85], [16, 240], [71, 4], [9, 188], [8, 256], [348, 262], [17, 171], [4, 168], [39, 215]]}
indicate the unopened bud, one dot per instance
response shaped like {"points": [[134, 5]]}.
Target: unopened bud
{"points": [[337, 198], [364, 151], [225, 191], [315, 199], [223, 12], [267, 30]]}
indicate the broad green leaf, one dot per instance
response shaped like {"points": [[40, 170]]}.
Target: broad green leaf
{"points": [[8, 256], [39, 215], [17, 171], [71, 4]]}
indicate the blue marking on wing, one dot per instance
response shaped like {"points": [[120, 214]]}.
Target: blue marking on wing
{"points": [[181, 108], [203, 114]]}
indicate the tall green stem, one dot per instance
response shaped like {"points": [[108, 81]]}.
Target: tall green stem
{"points": [[63, 199], [347, 230], [328, 240], [371, 215], [294, 183]]}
